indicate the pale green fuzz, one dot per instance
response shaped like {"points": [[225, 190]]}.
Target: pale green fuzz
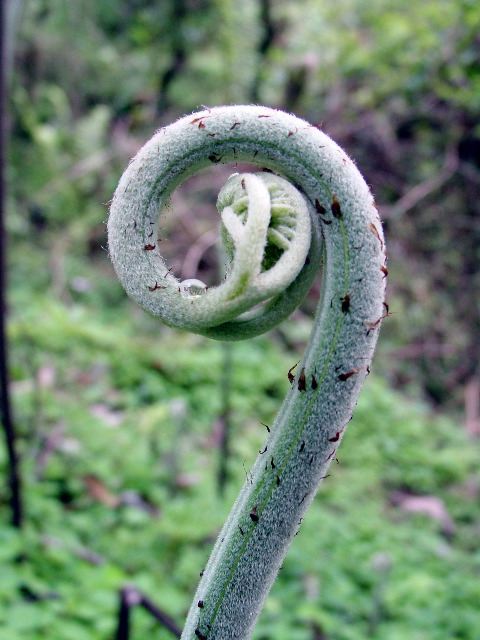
{"points": [[272, 230]]}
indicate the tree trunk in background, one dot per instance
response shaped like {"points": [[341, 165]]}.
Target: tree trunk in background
{"points": [[6, 413], [269, 34], [178, 57]]}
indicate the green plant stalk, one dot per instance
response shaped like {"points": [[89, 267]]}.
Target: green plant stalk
{"points": [[305, 436]]}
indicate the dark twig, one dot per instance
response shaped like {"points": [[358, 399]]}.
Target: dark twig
{"points": [[425, 188], [225, 418], [178, 59], [131, 597], [161, 616], [269, 33], [6, 413], [128, 599]]}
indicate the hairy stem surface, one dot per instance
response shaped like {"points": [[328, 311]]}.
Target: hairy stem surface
{"points": [[340, 210]]}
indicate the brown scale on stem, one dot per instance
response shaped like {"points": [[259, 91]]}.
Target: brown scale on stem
{"points": [[345, 303], [254, 515], [155, 287], [376, 233], [371, 325], [335, 207], [302, 386], [345, 376], [290, 375], [318, 207]]}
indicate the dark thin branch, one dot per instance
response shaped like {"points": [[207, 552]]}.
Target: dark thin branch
{"points": [[225, 419], [472, 406], [128, 599], [178, 59], [269, 33], [161, 616], [268, 27], [5, 405], [131, 597], [425, 188]]}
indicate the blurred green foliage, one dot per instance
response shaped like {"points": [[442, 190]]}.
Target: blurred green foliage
{"points": [[118, 417], [397, 85], [119, 456]]}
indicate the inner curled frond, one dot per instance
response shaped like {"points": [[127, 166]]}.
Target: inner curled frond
{"points": [[266, 234], [264, 218], [284, 215]]}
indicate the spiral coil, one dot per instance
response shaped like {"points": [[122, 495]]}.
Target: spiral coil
{"points": [[272, 229]]}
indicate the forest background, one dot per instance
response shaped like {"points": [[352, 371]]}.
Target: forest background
{"points": [[134, 438]]}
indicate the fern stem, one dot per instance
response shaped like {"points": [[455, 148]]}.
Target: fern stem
{"points": [[311, 422]]}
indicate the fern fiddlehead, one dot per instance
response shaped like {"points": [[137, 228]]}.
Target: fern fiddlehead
{"points": [[272, 229]]}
